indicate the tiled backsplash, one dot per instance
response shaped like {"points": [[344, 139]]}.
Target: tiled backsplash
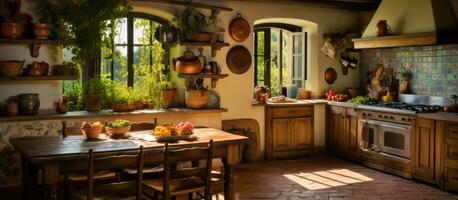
{"points": [[434, 68]]}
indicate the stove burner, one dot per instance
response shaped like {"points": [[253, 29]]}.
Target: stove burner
{"points": [[420, 108]]}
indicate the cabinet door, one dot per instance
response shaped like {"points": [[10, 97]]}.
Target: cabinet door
{"points": [[424, 150], [352, 139], [302, 133], [335, 129], [281, 134]]}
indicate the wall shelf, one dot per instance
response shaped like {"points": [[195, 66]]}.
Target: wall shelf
{"points": [[396, 41], [216, 46], [213, 77], [38, 78], [35, 44]]}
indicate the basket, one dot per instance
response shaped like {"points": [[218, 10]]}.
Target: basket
{"points": [[92, 132], [11, 68], [196, 98], [117, 131]]}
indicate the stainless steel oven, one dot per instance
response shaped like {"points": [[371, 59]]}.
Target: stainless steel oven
{"points": [[386, 137]]}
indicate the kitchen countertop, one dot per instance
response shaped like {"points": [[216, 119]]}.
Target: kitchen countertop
{"points": [[442, 116], [52, 115]]}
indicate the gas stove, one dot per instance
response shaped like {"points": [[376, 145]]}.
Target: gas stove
{"points": [[417, 108]]}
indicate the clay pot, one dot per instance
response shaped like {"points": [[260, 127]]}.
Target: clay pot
{"points": [[122, 107], [11, 109], [382, 28], [169, 97], [41, 31], [61, 107], [196, 98], [12, 30], [93, 103], [202, 37], [92, 132], [354, 92], [187, 64], [28, 104], [11, 68]]}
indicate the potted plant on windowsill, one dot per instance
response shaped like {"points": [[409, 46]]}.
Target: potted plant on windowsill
{"points": [[93, 92], [195, 26]]}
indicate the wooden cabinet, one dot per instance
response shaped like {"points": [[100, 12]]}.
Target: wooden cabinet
{"points": [[289, 131], [426, 150], [343, 137], [450, 154]]}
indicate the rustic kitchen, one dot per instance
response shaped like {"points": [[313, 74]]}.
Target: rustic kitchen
{"points": [[228, 99]]}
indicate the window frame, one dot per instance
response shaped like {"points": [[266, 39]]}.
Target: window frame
{"points": [[266, 28], [130, 43]]}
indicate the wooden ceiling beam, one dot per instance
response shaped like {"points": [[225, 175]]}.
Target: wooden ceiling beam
{"points": [[359, 5]]}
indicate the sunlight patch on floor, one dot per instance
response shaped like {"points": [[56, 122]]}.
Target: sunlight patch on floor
{"points": [[327, 179]]}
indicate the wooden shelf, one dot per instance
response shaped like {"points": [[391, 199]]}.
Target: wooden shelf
{"points": [[213, 77], [35, 44], [396, 41], [38, 78], [216, 46]]}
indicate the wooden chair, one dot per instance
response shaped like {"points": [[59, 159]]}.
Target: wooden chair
{"points": [[77, 178], [182, 181], [117, 190]]}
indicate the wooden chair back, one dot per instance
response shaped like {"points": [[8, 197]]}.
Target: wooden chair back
{"points": [[172, 156], [143, 126], [101, 162], [73, 130]]}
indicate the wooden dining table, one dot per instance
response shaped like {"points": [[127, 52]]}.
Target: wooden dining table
{"points": [[56, 156]]}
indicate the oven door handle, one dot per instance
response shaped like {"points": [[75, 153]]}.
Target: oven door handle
{"points": [[368, 121], [395, 127]]}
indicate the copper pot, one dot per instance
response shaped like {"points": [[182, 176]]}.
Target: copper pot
{"points": [[187, 64], [12, 109], [41, 31], [12, 30]]}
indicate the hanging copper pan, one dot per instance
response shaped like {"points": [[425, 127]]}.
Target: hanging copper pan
{"points": [[239, 29], [238, 60], [330, 75]]}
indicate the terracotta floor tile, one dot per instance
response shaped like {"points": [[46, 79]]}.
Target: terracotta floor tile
{"points": [[326, 178]]}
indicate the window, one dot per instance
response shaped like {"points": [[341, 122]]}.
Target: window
{"points": [[131, 48], [280, 56]]}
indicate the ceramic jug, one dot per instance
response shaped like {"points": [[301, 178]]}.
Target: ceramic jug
{"points": [[382, 28]]}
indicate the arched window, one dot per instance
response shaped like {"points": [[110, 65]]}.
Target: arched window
{"points": [[130, 48], [280, 56]]}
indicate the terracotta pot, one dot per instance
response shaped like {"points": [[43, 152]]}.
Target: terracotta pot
{"points": [[41, 31], [187, 64], [11, 109], [354, 92], [122, 107], [196, 99], [92, 132], [11, 68], [139, 106], [169, 98], [382, 28], [61, 107], [12, 30], [202, 37], [28, 104], [93, 103]]}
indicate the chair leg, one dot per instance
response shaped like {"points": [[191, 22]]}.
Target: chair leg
{"points": [[190, 196], [68, 185], [155, 196]]}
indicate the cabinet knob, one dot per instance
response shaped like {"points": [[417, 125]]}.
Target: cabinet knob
{"points": [[391, 117]]}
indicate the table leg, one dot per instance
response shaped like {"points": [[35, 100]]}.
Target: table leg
{"points": [[50, 180], [228, 181], [29, 179]]}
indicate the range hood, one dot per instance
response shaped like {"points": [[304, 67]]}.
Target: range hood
{"points": [[412, 23]]}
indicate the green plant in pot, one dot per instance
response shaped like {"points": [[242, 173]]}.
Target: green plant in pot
{"points": [[121, 98], [94, 90], [194, 26], [404, 75]]}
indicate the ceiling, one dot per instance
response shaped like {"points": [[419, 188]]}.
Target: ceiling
{"points": [[361, 5]]}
